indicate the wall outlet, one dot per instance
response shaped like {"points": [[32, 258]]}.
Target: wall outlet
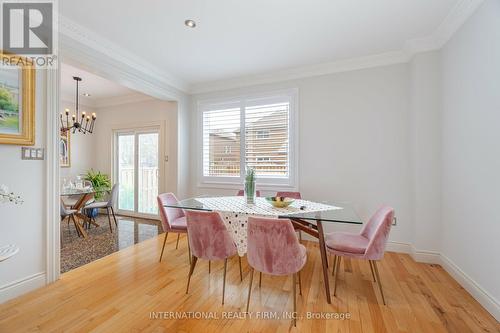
{"points": [[28, 153]]}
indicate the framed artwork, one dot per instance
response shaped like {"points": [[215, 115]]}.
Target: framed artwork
{"points": [[65, 149], [17, 101]]}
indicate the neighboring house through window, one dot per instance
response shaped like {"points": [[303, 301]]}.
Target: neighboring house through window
{"points": [[255, 132]]}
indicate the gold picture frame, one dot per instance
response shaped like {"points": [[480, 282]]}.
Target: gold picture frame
{"points": [[17, 121], [65, 149]]}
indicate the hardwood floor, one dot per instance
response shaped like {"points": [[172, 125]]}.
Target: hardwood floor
{"points": [[125, 290]]}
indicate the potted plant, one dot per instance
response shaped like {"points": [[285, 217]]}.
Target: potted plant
{"points": [[101, 184]]}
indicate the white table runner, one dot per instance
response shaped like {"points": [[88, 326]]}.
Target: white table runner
{"points": [[235, 212]]}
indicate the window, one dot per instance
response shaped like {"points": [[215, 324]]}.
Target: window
{"points": [[263, 134], [249, 132]]}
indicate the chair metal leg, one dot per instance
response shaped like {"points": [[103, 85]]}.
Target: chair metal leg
{"points": [[378, 279], [294, 300], [250, 288], [371, 268], [260, 279], [224, 281], [334, 264], [191, 270], [300, 284], [177, 244], [109, 219], [336, 275], [114, 217], [163, 248], [241, 271]]}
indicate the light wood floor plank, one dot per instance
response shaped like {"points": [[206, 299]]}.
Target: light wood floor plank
{"points": [[118, 293]]}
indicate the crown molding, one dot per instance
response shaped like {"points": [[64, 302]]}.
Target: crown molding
{"points": [[77, 41], [458, 15], [121, 100], [435, 41], [346, 65]]}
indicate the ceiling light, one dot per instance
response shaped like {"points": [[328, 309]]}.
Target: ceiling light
{"points": [[190, 23], [80, 122], [86, 94]]}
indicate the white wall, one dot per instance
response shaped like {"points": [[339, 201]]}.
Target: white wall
{"points": [[425, 100], [354, 140], [136, 115], [24, 225], [471, 152], [82, 147]]}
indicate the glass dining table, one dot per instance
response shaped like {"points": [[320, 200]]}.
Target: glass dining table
{"points": [[308, 216]]}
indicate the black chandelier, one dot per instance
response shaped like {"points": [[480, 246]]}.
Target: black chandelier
{"points": [[82, 123]]}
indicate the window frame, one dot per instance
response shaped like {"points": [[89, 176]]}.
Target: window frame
{"points": [[242, 101]]}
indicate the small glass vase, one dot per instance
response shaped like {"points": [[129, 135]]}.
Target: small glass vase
{"points": [[250, 192]]}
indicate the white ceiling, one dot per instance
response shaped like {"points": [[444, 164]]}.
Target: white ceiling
{"points": [[236, 38], [96, 86]]}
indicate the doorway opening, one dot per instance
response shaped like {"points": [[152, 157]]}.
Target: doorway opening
{"points": [[128, 149]]}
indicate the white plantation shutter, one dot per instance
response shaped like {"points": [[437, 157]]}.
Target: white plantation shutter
{"points": [[221, 142], [247, 132], [267, 139]]}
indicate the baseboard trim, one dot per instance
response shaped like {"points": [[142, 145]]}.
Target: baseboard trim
{"points": [[491, 304], [22, 286], [398, 247]]}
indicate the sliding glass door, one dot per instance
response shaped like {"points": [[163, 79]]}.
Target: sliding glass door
{"points": [[137, 170]]}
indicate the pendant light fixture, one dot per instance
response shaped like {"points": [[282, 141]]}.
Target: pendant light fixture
{"points": [[80, 122]]}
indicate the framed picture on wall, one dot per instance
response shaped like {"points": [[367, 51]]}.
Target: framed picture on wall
{"points": [[17, 100], [65, 149]]}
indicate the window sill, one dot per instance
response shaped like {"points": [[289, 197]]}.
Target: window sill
{"points": [[239, 186]]}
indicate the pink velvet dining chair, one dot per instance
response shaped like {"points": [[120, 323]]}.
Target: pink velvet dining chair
{"points": [[173, 220], [273, 248], [369, 244], [242, 193], [209, 240], [293, 195]]}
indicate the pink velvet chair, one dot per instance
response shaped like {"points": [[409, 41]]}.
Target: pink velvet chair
{"points": [[242, 193], [273, 248], [369, 244], [172, 219], [209, 240], [293, 195]]}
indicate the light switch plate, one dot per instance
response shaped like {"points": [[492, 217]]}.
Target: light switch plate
{"points": [[28, 153]]}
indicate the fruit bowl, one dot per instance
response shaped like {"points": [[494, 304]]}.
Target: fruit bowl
{"points": [[279, 202]]}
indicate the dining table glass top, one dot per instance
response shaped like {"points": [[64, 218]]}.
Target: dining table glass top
{"points": [[76, 191], [299, 209]]}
